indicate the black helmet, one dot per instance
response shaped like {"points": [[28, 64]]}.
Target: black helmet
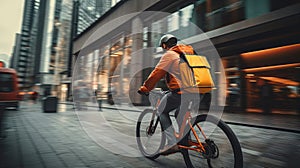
{"points": [[168, 39]]}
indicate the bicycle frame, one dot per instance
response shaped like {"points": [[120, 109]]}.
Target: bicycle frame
{"points": [[192, 142], [187, 120]]}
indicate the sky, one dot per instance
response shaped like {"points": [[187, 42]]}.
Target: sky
{"points": [[11, 12]]}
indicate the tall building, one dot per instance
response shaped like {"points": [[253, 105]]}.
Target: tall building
{"points": [[54, 49], [16, 52], [103, 6], [62, 46], [89, 11], [41, 52], [23, 55]]}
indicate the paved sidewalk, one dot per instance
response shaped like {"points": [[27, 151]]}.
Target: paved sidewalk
{"points": [[31, 138]]}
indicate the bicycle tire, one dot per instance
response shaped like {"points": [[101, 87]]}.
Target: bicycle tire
{"points": [[191, 159], [141, 134]]}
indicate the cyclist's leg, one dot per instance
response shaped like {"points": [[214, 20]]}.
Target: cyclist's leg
{"points": [[181, 111], [168, 103], [184, 106]]}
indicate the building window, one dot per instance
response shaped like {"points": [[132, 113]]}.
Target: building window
{"points": [[113, 71], [220, 13], [252, 9], [173, 22], [126, 65], [186, 15], [103, 75], [6, 82]]}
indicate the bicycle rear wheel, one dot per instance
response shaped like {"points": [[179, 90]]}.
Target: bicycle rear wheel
{"points": [[222, 146], [150, 139]]}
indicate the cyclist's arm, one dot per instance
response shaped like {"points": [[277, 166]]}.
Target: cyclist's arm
{"points": [[159, 72]]}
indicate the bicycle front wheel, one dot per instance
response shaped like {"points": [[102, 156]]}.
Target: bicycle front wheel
{"points": [[150, 138], [222, 148]]}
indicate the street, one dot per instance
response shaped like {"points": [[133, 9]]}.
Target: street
{"points": [[31, 138]]}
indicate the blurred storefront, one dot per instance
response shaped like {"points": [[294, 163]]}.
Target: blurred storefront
{"points": [[278, 67], [256, 43]]}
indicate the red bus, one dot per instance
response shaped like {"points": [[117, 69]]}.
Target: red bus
{"points": [[9, 88]]}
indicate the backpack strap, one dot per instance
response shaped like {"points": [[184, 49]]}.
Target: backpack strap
{"points": [[168, 78]]}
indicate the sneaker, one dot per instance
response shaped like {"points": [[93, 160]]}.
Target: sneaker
{"points": [[169, 150]]}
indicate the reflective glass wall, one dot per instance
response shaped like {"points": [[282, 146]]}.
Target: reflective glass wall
{"points": [[107, 69], [110, 67], [212, 14]]}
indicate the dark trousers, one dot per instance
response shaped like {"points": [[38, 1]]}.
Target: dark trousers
{"points": [[170, 102]]}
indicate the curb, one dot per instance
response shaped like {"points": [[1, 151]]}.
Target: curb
{"points": [[263, 126]]}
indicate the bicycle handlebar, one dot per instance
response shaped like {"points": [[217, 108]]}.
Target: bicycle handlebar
{"points": [[153, 92]]}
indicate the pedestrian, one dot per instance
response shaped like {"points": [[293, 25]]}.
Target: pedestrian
{"points": [[234, 93], [84, 96], [47, 92], [98, 98], [298, 99], [111, 95], [35, 96], [266, 93]]}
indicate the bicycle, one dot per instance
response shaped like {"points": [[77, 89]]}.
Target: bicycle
{"points": [[197, 147]]}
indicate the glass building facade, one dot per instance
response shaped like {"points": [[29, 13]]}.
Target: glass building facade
{"points": [[90, 10], [42, 49], [241, 31], [107, 68]]}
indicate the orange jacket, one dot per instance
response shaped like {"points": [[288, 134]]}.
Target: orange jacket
{"points": [[167, 67]]}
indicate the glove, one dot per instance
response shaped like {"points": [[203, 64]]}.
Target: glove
{"points": [[143, 91]]}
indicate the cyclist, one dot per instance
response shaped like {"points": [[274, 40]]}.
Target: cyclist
{"points": [[168, 67]]}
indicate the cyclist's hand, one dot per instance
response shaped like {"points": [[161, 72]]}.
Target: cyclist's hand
{"points": [[143, 91]]}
